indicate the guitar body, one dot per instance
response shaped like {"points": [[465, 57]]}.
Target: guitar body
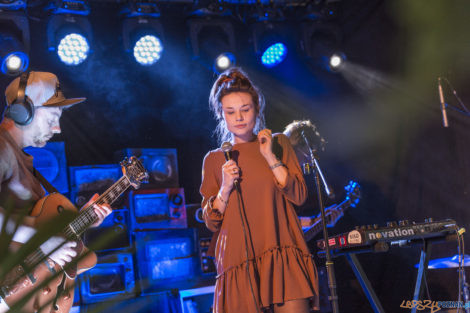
{"points": [[46, 208]]}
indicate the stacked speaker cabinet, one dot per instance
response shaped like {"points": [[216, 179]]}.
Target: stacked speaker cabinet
{"points": [[196, 221], [50, 161], [111, 279], [161, 164], [157, 209], [112, 235], [85, 181], [197, 300], [166, 259]]}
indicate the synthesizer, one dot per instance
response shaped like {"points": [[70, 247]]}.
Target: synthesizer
{"points": [[401, 233]]}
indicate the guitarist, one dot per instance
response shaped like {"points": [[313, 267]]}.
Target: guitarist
{"points": [[34, 105], [293, 131]]}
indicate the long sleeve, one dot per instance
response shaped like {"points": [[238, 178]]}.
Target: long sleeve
{"points": [[295, 189], [209, 189]]}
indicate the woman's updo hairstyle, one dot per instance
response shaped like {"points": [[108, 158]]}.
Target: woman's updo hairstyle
{"points": [[234, 80]]}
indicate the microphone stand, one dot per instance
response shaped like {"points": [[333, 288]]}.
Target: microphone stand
{"points": [[329, 262]]}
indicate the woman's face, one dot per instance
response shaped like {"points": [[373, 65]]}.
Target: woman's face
{"points": [[239, 113]]}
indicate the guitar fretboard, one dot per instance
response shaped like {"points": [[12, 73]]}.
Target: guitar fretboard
{"points": [[87, 215]]}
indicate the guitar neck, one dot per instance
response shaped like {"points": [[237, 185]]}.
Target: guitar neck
{"points": [[317, 227], [87, 215]]}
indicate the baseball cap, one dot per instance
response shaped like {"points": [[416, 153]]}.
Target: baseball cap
{"points": [[43, 89]]}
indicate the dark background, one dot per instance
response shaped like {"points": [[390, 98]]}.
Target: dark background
{"points": [[381, 116]]}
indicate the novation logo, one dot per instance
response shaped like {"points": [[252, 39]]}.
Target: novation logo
{"points": [[391, 233]]}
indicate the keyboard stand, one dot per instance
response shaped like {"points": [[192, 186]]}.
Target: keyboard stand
{"points": [[365, 283], [423, 265], [350, 255]]}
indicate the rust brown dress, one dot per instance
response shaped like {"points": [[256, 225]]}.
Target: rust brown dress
{"points": [[279, 263]]}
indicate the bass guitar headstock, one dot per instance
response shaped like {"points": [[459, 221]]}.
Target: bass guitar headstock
{"points": [[133, 169]]}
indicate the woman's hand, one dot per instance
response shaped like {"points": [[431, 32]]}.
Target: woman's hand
{"points": [[230, 173], [265, 139]]}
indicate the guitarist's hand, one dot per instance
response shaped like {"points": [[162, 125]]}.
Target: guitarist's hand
{"points": [[63, 254], [102, 211], [333, 215]]}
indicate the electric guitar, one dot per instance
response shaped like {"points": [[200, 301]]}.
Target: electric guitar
{"points": [[20, 283], [353, 195]]}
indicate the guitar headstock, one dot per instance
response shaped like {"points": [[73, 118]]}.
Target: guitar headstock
{"points": [[353, 193], [133, 169]]}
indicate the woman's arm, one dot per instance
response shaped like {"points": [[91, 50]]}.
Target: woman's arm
{"points": [[287, 173]]}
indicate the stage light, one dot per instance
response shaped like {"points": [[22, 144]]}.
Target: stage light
{"points": [[73, 49], [320, 43], [336, 61], [148, 50], [212, 40], [143, 32], [14, 42], [69, 31], [270, 38], [274, 54], [223, 62]]}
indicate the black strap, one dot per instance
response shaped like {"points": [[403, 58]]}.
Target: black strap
{"points": [[47, 185]]}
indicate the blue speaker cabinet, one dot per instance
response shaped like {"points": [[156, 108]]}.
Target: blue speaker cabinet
{"points": [[111, 279], [50, 161], [197, 300], [166, 259], [164, 302], [116, 224], [161, 164], [157, 209], [85, 181]]}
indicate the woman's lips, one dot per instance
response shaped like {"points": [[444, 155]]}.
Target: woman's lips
{"points": [[240, 126]]}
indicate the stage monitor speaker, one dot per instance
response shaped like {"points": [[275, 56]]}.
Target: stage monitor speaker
{"points": [[116, 223], [50, 161], [111, 279], [157, 209], [161, 164], [85, 181], [163, 302], [166, 259], [197, 300]]}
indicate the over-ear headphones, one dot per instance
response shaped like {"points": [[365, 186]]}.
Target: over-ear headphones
{"points": [[21, 110]]}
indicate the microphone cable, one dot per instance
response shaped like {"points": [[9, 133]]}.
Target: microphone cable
{"points": [[242, 211]]}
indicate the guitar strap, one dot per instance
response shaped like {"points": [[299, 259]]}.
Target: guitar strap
{"points": [[47, 185]]}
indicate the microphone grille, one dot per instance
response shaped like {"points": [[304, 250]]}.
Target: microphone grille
{"points": [[226, 147]]}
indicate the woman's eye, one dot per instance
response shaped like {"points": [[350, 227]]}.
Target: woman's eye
{"points": [[230, 113], [245, 110]]}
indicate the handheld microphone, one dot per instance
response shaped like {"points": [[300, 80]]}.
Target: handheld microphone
{"points": [[227, 150], [443, 104]]}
